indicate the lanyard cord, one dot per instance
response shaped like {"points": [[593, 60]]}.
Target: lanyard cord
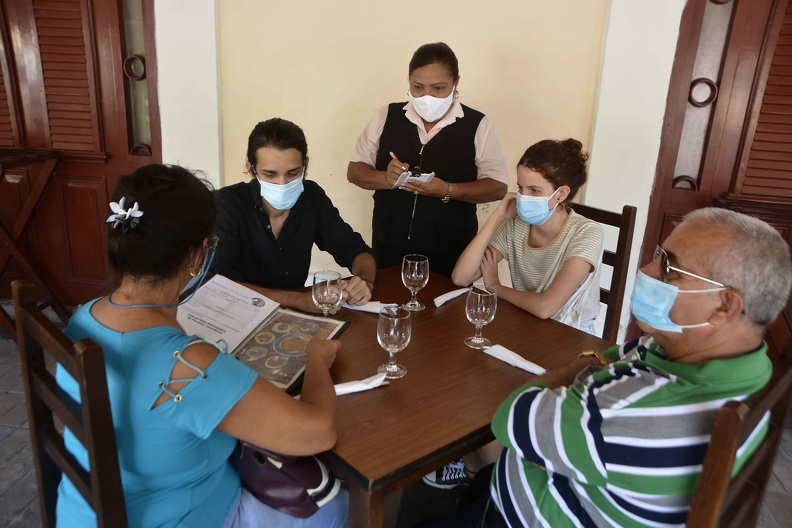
{"points": [[415, 200]]}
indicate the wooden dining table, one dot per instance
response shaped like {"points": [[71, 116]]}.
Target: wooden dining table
{"points": [[390, 436]]}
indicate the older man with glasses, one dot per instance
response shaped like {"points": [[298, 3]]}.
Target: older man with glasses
{"points": [[618, 438]]}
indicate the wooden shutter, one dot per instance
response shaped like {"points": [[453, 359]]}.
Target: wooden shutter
{"points": [[66, 44], [768, 172], [7, 139], [9, 120]]}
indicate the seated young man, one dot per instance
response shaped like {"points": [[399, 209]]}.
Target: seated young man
{"points": [[269, 225], [619, 438]]}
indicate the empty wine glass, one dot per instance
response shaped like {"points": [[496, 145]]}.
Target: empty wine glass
{"points": [[480, 310], [415, 275], [326, 291], [393, 334]]}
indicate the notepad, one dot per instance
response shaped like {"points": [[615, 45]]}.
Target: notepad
{"points": [[408, 176]]}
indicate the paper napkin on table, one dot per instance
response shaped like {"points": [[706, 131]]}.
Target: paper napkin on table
{"points": [[371, 306], [515, 360], [356, 386], [442, 299]]}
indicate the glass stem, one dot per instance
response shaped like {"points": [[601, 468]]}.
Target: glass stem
{"points": [[478, 333], [392, 362], [413, 301]]}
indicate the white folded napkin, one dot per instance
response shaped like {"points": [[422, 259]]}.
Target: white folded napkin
{"points": [[356, 386], [515, 360], [371, 306], [442, 299]]}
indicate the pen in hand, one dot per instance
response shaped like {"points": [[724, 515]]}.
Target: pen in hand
{"points": [[392, 155]]}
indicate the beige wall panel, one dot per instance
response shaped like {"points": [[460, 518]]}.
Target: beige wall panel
{"points": [[531, 65]]}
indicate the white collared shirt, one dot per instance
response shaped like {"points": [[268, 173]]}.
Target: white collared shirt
{"points": [[490, 161]]}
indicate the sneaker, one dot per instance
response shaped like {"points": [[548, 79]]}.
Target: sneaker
{"points": [[449, 477]]}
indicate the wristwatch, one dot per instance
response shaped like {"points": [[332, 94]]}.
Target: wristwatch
{"points": [[591, 353], [447, 196]]}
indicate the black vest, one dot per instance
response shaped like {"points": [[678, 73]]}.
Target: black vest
{"points": [[437, 230]]}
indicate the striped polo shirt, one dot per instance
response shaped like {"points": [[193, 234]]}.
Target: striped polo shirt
{"points": [[528, 265], [623, 446]]}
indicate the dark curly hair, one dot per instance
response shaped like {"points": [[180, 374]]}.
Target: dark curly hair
{"points": [[178, 214], [561, 162]]}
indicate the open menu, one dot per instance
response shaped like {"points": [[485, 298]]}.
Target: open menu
{"points": [[270, 339]]}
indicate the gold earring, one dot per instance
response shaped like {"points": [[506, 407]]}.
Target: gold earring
{"points": [[194, 273]]}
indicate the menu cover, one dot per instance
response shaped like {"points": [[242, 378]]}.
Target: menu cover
{"points": [[270, 339]]}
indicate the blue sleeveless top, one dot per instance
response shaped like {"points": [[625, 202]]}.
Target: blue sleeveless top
{"points": [[174, 465]]}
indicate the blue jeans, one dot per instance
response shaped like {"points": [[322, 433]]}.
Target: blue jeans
{"points": [[588, 326], [249, 512]]}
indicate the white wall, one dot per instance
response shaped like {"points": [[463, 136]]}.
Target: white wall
{"points": [[188, 88], [638, 54]]}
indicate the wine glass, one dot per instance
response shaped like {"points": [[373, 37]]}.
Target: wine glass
{"points": [[415, 275], [393, 334], [482, 302], [326, 291]]}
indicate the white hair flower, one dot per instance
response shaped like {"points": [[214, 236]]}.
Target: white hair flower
{"points": [[128, 218]]}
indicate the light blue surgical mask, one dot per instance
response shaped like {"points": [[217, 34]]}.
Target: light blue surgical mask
{"points": [[535, 210], [652, 301], [282, 197]]}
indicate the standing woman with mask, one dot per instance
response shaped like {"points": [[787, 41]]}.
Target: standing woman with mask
{"points": [[553, 253], [432, 132], [268, 226]]}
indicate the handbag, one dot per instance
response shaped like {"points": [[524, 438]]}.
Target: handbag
{"points": [[297, 485]]}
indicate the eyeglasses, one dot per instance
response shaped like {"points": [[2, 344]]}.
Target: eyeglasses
{"points": [[212, 241], [665, 268], [211, 249]]}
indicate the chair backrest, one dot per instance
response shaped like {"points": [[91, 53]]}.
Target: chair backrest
{"points": [[613, 296], [720, 500], [90, 420]]}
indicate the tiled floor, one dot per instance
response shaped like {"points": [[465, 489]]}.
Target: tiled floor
{"points": [[18, 498]]}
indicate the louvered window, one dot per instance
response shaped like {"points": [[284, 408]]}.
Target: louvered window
{"points": [[6, 131], [69, 78], [769, 169]]}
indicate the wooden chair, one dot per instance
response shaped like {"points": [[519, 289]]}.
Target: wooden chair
{"points": [[619, 260], [90, 420], [11, 236], [720, 500]]}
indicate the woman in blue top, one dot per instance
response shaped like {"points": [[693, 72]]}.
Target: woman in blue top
{"points": [[179, 403]]}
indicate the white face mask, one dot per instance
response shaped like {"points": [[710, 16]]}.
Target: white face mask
{"points": [[432, 108]]}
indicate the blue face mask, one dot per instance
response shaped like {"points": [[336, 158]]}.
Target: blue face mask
{"points": [[534, 210], [652, 301], [282, 197]]}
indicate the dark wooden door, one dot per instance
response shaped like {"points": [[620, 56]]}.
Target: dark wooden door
{"points": [[727, 133], [79, 78]]}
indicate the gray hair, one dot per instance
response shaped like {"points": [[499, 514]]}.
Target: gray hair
{"points": [[756, 263]]}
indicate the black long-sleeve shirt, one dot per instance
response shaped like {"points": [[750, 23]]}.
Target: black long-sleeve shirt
{"points": [[249, 252]]}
